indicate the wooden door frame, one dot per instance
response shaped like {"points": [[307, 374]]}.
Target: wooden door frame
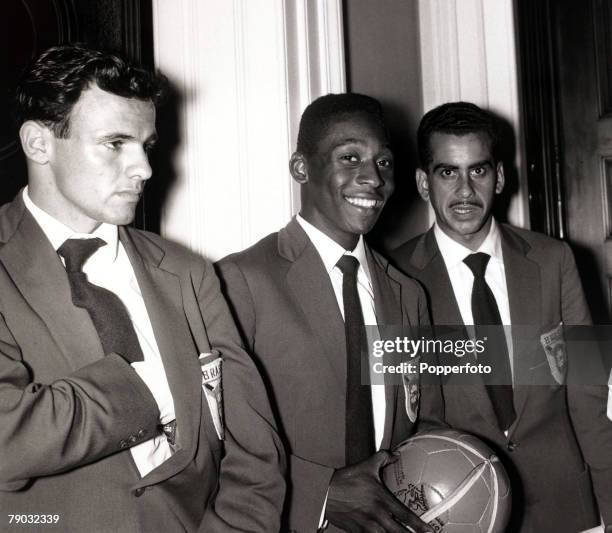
{"points": [[540, 110]]}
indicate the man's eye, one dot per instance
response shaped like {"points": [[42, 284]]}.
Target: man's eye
{"points": [[115, 146], [385, 163], [447, 173], [148, 148], [479, 171], [351, 158]]}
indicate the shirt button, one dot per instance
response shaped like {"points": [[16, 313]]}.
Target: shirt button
{"points": [[139, 491], [512, 446]]}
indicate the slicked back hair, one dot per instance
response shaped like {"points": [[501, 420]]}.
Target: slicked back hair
{"points": [[329, 109], [53, 83], [456, 118]]}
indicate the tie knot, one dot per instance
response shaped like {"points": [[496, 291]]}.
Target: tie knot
{"points": [[348, 264], [76, 251], [477, 263]]}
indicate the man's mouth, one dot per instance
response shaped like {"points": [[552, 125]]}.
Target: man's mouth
{"points": [[465, 208], [133, 196], [365, 203]]}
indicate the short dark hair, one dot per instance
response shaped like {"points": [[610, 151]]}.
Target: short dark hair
{"points": [[331, 108], [54, 81], [456, 118]]}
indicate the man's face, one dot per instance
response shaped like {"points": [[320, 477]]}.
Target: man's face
{"points": [[347, 182], [98, 173], [461, 182]]}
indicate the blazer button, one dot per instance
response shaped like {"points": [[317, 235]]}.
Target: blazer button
{"points": [[141, 433], [512, 446], [123, 444], [139, 491], [132, 439]]}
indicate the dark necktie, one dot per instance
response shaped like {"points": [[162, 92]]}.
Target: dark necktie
{"points": [[107, 312], [486, 313], [359, 420]]}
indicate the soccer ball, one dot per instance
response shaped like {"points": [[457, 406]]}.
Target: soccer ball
{"points": [[452, 481]]}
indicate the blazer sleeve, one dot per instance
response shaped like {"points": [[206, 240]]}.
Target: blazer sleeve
{"points": [[251, 480], [587, 403], [308, 481], [50, 428]]}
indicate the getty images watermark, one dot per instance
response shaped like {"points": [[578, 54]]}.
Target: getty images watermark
{"points": [[417, 348], [552, 355]]}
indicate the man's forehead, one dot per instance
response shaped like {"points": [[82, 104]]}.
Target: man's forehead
{"points": [[358, 127], [103, 110], [446, 144]]}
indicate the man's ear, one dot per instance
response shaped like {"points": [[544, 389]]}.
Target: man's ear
{"points": [[298, 168], [422, 183], [35, 138], [501, 180]]}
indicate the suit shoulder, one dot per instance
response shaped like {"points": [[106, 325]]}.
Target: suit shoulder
{"points": [[408, 282], [177, 257], [400, 257], [256, 256], [534, 238]]}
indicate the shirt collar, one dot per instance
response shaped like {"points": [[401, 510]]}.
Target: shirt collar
{"points": [[330, 251], [454, 253], [58, 233]]}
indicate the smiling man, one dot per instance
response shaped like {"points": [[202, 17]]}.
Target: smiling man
{"points": [[300, 297], [107, 333], [476, 271]]}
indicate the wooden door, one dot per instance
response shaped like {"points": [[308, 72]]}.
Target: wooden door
{"points": [[583, 43], [566, 72]]}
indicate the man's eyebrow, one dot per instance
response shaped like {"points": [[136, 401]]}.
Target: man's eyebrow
{"points": [[354, 140], [445, 166], [484, 162], [117, 136]]}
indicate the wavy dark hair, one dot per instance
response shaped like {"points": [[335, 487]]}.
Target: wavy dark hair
{"points": [[54, 81], [456, 118]]}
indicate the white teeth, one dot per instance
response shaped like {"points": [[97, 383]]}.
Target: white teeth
{"points": [[363, 202]]}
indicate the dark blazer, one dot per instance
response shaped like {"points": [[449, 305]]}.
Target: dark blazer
{"points": [[67, 412], [557, 427], [284, 303]]}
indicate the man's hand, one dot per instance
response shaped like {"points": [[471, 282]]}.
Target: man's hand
{"points": [[358, 502]]}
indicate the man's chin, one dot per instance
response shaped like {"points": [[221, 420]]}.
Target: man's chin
{"points": [[121, 219]]}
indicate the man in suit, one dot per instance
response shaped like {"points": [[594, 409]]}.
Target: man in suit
{"points": [[291, 297], [111, 339], [545, 432]]}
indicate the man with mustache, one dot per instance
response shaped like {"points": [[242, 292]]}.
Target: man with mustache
{"points": [[111, 339], [301, 297], [478, 271]]}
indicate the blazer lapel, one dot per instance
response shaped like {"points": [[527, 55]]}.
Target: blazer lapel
{"points": [[161, 291], [387, 302], [524, 289], [314, 294], [431, 270], [39, 274]]}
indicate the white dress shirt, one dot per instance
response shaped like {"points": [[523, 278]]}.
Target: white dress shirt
{"points": [[110, 267], [462, 278], [331, 252]]}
